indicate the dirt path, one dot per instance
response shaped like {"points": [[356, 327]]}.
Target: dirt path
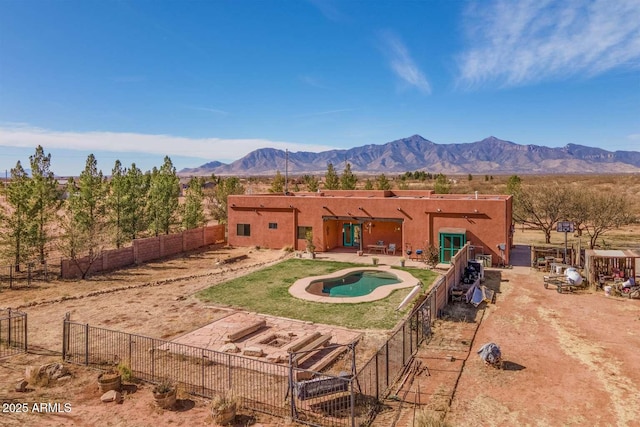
{"points": [[570, 359]]}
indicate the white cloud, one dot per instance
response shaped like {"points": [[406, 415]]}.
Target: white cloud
{"points": [[401, 62], [634, 137], [206, 148], [514, 43]]}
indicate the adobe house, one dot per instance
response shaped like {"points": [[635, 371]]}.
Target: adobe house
{"points": [[374, 220]]}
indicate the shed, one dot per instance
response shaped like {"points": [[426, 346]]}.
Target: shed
{"points": [[609, 263]]}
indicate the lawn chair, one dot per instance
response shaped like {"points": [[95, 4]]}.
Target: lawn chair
{"points": [[391, 249]]}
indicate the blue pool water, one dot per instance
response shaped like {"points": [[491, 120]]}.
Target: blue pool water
{"points": [[356, 284]]}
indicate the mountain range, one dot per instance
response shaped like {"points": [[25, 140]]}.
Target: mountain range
{"points": [[491, 155]]}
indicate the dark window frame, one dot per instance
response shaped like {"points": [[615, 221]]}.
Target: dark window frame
{"points": [[243, 230]]}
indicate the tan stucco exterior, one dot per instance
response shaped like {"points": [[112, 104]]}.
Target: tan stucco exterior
{"points": [[407, 218]]}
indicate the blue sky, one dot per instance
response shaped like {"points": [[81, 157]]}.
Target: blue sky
{"points": [[215, 80]]}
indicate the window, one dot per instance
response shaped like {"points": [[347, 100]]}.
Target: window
{"points": [[244, 230], [273, 226], [302, 232]]}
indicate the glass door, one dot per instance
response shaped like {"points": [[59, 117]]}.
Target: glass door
{"points": [[450, 244], [351, 235]]}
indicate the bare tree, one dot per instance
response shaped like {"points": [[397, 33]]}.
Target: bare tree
{"points": [[541, 207], [599, 212]]}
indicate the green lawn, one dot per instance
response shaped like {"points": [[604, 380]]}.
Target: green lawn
{"points": [[267, 291]]}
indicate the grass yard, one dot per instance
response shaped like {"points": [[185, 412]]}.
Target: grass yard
{"points": [[267, 291]]}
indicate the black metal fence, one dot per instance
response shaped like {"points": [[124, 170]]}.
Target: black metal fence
{"points": [[26, 274], [348, 399], [13, 332]]}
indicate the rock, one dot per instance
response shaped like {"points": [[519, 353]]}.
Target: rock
{"points": [[253, 351], [29, 371], [111, 396], [21, 385], [229, 348], [63, 379]]}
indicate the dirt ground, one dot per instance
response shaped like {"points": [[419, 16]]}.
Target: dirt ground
{"points": [[571, 359]]}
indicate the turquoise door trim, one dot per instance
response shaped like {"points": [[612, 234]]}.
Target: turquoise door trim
{"points": [[351, 235], [450, 244]]}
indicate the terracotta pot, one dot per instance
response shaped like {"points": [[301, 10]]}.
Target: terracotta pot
{"points": [[165, 400], [109, 381]]}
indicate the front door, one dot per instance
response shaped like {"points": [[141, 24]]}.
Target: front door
{"points": [[351, 235]]}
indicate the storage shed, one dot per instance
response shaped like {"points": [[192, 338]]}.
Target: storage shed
{"points": [[610, 263]]}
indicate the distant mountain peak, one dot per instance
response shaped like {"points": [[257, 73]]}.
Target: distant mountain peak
{"points": [[490, 155]]}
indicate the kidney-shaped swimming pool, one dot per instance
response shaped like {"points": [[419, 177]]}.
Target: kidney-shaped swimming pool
{"points": [[352, 285]]}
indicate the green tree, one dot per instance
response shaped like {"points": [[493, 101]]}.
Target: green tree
{"points": [[312, 183], [368, 185], [164, 192], [16, 218], [348, 180], [514, 184], [44, 202], [218, 197], [136, 191], [193, 208], [85, 223], [277, 185], [382, 183], [442, 184], [469, 177], [116, 203], [331, 179]]}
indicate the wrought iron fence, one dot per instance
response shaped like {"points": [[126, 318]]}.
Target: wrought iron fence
{"points": [[13, 332], [23, 275], [348, 399]]}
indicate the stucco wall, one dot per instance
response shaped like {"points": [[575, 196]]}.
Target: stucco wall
{"points": [[406, 218]]}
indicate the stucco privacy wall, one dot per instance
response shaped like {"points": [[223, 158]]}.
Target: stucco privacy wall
{"points": [[144, 250], [406, 218]]}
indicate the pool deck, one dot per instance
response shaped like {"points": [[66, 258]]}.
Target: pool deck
{"points": [[299, 288]]}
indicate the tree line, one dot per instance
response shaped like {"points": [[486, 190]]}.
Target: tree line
{"points": [[92, 211], [592, 211]]}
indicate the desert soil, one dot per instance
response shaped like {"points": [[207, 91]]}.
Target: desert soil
{"points": [[571, 359]]}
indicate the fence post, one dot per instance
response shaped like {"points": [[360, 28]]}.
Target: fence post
{"points": [[203, 361], [65, 335], [386, 346], [377, 377], [404, 353], [229, 375], [130, 358], [86, 344], [353, 403], [9, 335], [25, 331], [291, 391]]}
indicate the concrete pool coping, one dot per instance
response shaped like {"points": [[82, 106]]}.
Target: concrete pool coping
{"points": [[299, 288]]}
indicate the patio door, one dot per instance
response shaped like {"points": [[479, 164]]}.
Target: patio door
{"points": [[351, 235], [450, 244]]}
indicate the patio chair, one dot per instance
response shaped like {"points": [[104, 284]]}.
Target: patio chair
{"points": [[391, 249]]}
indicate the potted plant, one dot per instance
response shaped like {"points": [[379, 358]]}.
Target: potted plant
{"points": [[164, 395], [375, 260], [223, 408], [109, 380], [310, 246], [402, 261]]}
